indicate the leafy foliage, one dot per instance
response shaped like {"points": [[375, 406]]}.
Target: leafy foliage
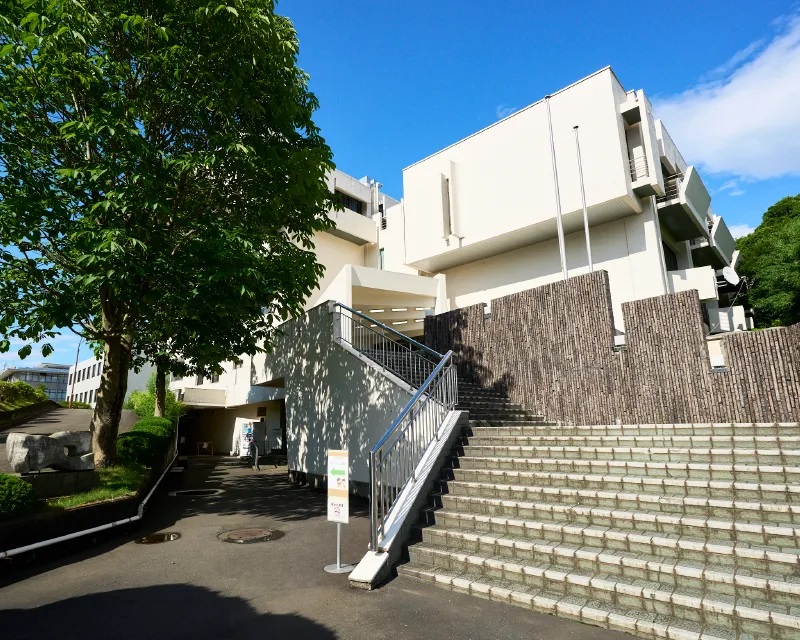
{"points": [[146, 443], [19, 393], [161, 179], [17, 497], [144, 402], [76, 404], [770, 259]]}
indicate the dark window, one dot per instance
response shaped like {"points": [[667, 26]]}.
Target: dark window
{"points": [[349, 202], [69, 380], [214, 377], [381, 258], [670, 258], [198, 380]]}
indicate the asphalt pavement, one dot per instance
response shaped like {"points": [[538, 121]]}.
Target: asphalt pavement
{"points": [[198, 587]]}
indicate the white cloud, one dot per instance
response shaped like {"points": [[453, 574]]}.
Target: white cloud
{"points": [[739, 230], [746, 122], [732, 187], [503, 111]]}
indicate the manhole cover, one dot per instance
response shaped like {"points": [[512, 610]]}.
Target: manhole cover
{"points": [[155, 538], [196, 492], [249, 536]]}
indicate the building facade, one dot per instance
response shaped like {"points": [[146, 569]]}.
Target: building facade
{"points": [[84, 380], [506, 209], [52, 377]]}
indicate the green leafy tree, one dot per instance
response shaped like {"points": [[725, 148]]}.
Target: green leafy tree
{"points": [[770, 259], [144, 402], [152, 152]]}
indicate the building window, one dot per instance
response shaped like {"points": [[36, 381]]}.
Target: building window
{"points": [[91, 396], [381, 259], [198, 380], [349, 202], [670, 258], [214, 378], [69, 380]]}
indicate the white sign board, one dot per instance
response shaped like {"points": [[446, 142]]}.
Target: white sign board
{"points": [[338, 486]]}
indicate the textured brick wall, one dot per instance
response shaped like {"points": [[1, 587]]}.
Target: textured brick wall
{"points": [[551, 349]]}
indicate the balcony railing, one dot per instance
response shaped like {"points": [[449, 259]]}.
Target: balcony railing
{"points": [[639, 168], [672, 189]]}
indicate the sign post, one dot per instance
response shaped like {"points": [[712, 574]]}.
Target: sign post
{"points": [[338, 503]]}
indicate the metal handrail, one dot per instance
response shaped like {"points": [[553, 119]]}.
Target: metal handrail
{"points": [[394, 458], [639, 168], [385, 327], [672, 188]]}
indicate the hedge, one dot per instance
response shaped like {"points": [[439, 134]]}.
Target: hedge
{"points": [[17, 497], [147, 442]]}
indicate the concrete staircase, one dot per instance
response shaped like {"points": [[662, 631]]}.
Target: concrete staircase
{"points": [[662, 531]]}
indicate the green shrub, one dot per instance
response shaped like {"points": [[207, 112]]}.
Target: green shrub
{"points": [[165, 423], [75, 404], [17, 497], [141, 447], [20, 394]]}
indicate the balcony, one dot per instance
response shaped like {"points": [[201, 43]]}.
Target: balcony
{"points": [[196, 397], [684, 206], [353, 227], [639, 168], [718, 251], [726, 319], [703, 279]]}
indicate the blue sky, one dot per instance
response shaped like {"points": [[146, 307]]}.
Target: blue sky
{"points": [[400, 80]]}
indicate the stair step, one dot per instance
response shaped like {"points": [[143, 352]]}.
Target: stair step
{"points": [[494, 422], [620, 565], [655, 454], [774, 473], [647, 441], [763, 492], [781, 559], [704, 528], [715, 429], [723, 509], [651, 598]]}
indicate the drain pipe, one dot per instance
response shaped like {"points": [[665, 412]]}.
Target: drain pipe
{"points": [[86, 532], [583, 200], [559, 223]]}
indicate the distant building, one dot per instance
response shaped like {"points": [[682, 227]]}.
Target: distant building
{"points": [[87, 380], [53, 377]]}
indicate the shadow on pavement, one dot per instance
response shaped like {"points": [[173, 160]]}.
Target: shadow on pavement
{"points": [[163, 611]]}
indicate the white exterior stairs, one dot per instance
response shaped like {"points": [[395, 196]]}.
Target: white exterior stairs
{"points": [[662, 531]]}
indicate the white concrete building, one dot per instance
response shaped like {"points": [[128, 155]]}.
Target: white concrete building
{"points": [[83, 386], [479, 220]]}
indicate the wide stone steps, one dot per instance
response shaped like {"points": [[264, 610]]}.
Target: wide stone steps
{"points": [[772, 473], [596, 613], [664, 531], [652, 441], [751, 590], [743, 557], [699, 429], [699, 527], [654, 454], [649, 597], [719, 508], [761, 492]]}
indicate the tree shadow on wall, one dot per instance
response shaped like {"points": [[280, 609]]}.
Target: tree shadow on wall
{"points": [[163, 611], [333, 399]]}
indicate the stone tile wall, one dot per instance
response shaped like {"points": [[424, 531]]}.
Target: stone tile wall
{"points": [[552, 349]]}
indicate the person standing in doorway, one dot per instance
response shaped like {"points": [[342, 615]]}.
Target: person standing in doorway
{"points": [[254, 453]]}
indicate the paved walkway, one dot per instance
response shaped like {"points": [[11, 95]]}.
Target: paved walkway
{"points": [[58, 420], [199, 587]]}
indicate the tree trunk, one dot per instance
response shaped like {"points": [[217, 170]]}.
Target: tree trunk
{"points": [[161, 389], [113, 387]]}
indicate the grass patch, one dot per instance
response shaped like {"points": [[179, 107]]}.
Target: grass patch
{"points": [[120, 481]]}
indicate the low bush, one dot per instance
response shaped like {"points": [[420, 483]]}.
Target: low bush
{"points": [[75, 404], [17, 497], [147, 442], [17, 394]]}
